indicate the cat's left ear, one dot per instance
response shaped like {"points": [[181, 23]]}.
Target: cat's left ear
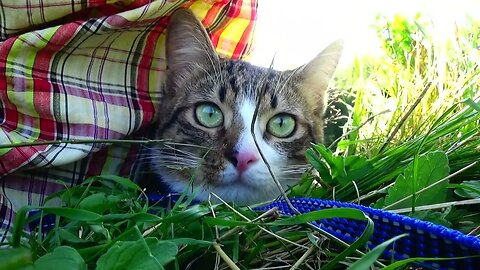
{"points": [[317, 74], [187, 43]]}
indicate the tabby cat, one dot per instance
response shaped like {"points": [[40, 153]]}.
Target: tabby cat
{"points": [[208, 107]]}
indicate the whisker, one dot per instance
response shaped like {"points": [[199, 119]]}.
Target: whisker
{"points": [[170, 153], [292, 170], [169, 160], [173, 144], [290, 178], [297, 174], [295, 167], [177, 151]]}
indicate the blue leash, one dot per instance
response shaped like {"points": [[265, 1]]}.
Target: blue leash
{"points": [[424, 239]]}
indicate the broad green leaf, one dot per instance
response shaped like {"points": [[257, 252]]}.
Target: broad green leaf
{"points": [[125, 182], [61, 258], [100, 229], [320, 166], [71, 213], [192, 213], [70, 237], [139, 217], [99, 202], [432, 167], [367, 261], [433, 216], [356, 168], [14, 258], [340, 170], [469, 189], [320, 192], [336, 163], [148, 253], [302, 188], [380, 203], [343, 144]]}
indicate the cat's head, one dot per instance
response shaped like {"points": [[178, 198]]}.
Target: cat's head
{"points": [[208, 106]]}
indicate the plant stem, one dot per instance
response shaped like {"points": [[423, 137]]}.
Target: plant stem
{"points": [[225, 257], [80, 141], [303, 258], [405, 117]]}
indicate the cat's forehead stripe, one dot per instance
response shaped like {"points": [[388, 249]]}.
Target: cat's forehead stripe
{"points": [[230, 68], [222, 92], [274, 101], [233, 83]]}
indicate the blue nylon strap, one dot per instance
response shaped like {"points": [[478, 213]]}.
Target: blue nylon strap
{"points": [[424, 239]]}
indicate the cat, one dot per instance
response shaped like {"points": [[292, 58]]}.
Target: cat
{"points": [[207, 107]]}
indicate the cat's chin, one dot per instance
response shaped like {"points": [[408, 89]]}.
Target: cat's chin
{"points": [[242, 191], [255, 177], [238, 192]]}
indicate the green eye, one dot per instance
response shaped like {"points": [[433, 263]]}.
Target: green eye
{"points": [[209, 115], [281, 125]]}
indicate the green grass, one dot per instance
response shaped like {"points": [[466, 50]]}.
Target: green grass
{"points": [[420, 97], [411, 143]]}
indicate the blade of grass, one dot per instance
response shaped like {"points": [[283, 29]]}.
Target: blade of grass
{"points": [[371, 257]]}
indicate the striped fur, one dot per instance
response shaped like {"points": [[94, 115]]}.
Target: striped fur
{"points": [[196, 74]]}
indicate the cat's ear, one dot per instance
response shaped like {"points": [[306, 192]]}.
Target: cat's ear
{"points": [[187, 42], [317, 74]]}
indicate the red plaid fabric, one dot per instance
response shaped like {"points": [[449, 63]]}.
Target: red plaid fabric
{"points": [[79, 69]]}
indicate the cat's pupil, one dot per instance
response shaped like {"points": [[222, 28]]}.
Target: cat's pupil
{"points": [[210, 111], [280, 121]]}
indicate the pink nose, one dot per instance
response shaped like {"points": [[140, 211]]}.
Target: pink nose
{"points": [[243, 160]]}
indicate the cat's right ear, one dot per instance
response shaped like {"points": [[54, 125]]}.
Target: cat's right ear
{"points": [[188, 43]]}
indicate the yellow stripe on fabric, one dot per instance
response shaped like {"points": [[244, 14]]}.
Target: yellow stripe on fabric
{"points": [[201, 8], [9, 138], [12, 137], [24, 52], [25, 49], [228, 39]]}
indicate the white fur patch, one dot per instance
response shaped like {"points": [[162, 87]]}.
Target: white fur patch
{"points": [[246, 141], [255, 184]]}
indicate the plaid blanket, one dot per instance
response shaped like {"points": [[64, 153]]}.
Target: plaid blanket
{"points": [[82, 70]]}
